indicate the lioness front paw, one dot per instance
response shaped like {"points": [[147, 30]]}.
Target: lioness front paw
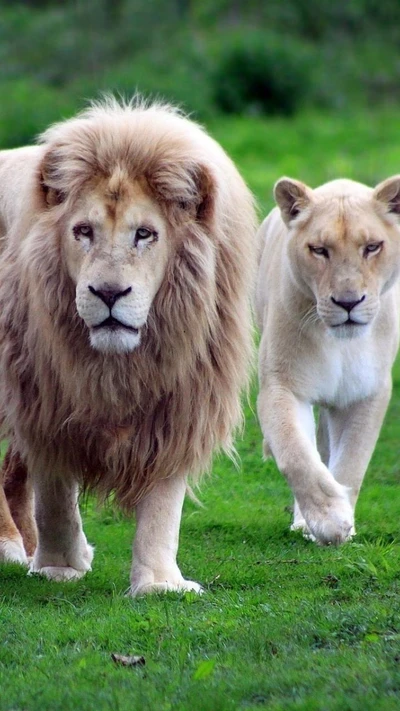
{"points": [[12, 551], [332, 526], [330, 520], [300, 525]]}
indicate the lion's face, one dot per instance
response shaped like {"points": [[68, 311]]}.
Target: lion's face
{"points": [[344, 247], [116, 251]]}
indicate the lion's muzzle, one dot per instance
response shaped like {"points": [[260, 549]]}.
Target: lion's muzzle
{"points": [[109, 294], [114, 315]]}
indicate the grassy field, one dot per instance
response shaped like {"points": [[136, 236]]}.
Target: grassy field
{"points": [[284, 624]]}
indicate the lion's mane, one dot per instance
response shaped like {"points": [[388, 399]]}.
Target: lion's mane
{"points": [[121, 422]]}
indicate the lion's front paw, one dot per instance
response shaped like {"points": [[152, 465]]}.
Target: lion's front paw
{"points": [[144, 580], [166, 586], [182, 586], [12, 551], [83, 560], [329, 520], [58, 573], [63, 567]]}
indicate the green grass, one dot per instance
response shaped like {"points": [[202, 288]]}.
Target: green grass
{"points": [[284, 624], [312, 147]]}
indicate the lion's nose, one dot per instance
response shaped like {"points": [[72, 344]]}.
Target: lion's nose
{"points": [[109, 294], [348, 304]]}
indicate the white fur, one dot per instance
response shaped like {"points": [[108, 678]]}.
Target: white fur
{"points": [[346, 371], [13, 551], [158, 518], [119, 341]]}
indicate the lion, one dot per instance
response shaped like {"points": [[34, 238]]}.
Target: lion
{"points": [[125, 324], [327, 304]]}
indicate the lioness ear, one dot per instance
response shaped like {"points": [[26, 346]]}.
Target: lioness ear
{"points": [[388, 193], [292, 197], [50, 179]]}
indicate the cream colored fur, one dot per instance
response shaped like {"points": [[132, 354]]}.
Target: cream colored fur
{"points": [[125, 334], [327, 306], [18, 534]]}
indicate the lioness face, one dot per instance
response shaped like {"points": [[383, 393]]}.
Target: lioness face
{"points": [[344, 248], [116, 251]]}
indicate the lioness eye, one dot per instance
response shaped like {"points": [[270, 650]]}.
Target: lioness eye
{"points": [[83, 230], [373, 248], [319, 251]]}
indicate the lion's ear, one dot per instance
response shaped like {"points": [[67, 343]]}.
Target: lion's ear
{"points": [[50, 178], [201, 202], [388, 193], [190, 186], [292, 197]]}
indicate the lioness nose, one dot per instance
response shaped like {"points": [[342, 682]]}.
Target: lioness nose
{"points": [[348, 305], [110, 295]]}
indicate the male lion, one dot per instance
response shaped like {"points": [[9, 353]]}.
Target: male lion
{"points": [[125, 333], [327, 305]]}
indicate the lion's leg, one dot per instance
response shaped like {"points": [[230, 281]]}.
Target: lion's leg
{"points": [[11, 544], [287, 427], [19, 493], [158, 518], [353, 433], [62, 552]]}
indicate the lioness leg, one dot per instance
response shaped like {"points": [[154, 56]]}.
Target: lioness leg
{"points": [[155, 547], [62, 552], [353, 433], [323, 442], [299, 523], [288, 427], [19, 493]]}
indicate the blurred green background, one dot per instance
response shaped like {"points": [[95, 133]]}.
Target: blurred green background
{"points": [[213, 57]]}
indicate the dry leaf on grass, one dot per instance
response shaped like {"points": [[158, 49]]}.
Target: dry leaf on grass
{"points": [[128, 661]]}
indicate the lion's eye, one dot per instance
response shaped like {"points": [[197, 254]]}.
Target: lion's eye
{"points": [[83, 230], [319, 251], [143, 233], [372, 248]]}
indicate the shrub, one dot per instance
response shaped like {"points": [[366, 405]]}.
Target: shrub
{"points": [[257, 72]]}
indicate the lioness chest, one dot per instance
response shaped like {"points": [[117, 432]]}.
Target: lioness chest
{"points": [[341, 372]]}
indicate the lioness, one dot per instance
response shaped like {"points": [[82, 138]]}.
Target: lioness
{"points": [[125, 330], [327, 306]]}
